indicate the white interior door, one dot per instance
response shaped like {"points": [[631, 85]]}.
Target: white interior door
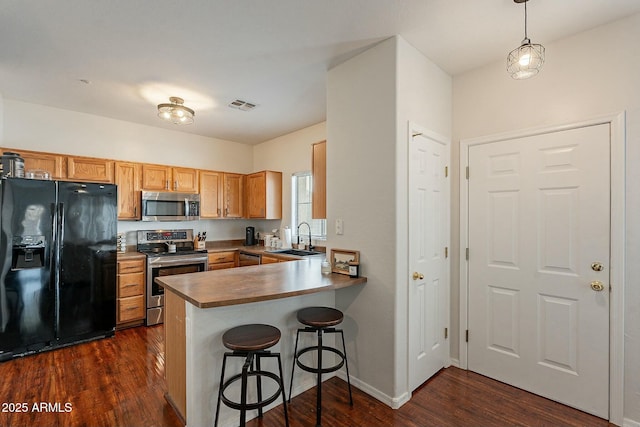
{"points": [[429, 267], [539, 230]]}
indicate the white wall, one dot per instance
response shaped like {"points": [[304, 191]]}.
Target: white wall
{"points": [[587, 75], [424, 97], [41, 128], [288, 154], [370, 100]]}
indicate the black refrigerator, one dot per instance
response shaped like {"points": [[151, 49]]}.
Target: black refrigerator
{"points": [[57, 264]]}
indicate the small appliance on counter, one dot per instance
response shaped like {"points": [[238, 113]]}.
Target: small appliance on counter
{"points": [[250, 237], [11, 165]]}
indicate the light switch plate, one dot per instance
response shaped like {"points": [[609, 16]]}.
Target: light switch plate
{"points": [[339, 226]]}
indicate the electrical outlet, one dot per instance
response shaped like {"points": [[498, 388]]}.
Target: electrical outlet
{"points": [[339, 227]]}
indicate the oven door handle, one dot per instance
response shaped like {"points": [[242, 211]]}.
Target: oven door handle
{"points": [[169, 262]]}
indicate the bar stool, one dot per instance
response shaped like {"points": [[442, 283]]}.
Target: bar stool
{"points": [[250, 342], [320, 320]]}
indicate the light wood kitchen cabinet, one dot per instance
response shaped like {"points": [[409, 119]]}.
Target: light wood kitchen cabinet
{"points": [[266, 259], [210, 194], [185, 179], [55, 164], [232, 195], [90, 169], [222, 260], [264, 195], [167, 178], [319, 180], [128, 179], [130, 310], [156, 177]]}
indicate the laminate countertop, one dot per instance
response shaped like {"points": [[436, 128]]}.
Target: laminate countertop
{"points": [[255, 283]]}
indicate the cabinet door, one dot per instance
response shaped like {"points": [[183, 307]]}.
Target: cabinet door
{"points": [[233, 184], [185, 180], [156, 177], [210, 194], [127, 178], [264, 195], [90, 169], [266, 259], [257, 195], [55, 164], [319, 174]]}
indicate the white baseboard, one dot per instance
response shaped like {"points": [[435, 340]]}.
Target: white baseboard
{"points": [[630, 423], [392, 402], [454, 362]]}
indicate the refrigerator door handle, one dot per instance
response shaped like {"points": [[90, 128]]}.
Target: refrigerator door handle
{"points": [[52, 249]]}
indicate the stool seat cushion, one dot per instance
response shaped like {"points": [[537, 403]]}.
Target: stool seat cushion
{"points": [[320, 317], [254, 337]]}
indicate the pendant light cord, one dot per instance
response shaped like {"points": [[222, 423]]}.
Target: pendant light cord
{"points": [[525, 20]]}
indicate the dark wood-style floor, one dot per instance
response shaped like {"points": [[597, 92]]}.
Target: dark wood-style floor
{"points": [[119, 382]]}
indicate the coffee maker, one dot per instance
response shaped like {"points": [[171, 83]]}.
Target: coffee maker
{"points": [[250, 237]]}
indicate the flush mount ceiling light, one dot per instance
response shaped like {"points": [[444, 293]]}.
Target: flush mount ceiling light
{"points": [[176, 112], [526, 60]]}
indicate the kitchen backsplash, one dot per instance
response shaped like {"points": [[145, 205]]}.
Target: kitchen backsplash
{"points": [[218, 229]]}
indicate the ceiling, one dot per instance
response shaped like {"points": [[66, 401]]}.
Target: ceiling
{"points": [[135, 54]]}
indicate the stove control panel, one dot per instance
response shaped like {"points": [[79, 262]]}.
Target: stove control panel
{"points": [[159, 236]]}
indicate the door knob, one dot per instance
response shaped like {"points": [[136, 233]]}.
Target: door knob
{"points": [[417, 276], [597, 286]]}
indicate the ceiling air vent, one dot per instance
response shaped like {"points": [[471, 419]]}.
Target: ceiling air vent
{"points": [[239, 104]]}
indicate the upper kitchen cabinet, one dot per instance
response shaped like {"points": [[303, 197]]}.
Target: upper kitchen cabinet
{"points": [[232, 195], [211, 194], [264, 195], [55, 164], [167, 178], [128, 178], [319, 180], [90, 169]]}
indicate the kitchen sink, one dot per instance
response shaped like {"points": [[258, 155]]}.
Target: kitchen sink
{"points": [[297, 252]]}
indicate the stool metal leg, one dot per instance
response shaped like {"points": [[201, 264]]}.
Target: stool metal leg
{"points": [[259, 384], [346, 365], [243, 389], [284, 398], [319, 381], [224, 364], [295, 359]]}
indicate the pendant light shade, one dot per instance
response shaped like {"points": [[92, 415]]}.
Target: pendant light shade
{"points": [[527, 59], [176, 112]]}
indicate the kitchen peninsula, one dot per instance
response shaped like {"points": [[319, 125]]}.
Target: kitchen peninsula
{"points": [[200, 307]]}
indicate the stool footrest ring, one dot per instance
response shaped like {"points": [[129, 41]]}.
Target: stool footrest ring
{"points": [[320, 369], [249, 406]]}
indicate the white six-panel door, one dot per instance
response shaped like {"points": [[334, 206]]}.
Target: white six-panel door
{"points": [[539, 224], [428, 276]]}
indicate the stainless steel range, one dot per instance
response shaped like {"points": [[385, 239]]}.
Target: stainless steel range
{"points": [[168, 252]]}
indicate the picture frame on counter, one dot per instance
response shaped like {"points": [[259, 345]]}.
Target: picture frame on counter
{"points": [[340, 259]]}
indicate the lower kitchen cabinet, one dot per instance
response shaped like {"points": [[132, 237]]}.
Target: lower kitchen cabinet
{"points": [[131, 302], [222, 260], [266, 259]]}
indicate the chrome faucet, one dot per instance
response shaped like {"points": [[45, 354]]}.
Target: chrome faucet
{"points": [[309, 227]]}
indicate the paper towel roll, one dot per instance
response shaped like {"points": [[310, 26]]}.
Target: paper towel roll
{"points": [[285, 237]]}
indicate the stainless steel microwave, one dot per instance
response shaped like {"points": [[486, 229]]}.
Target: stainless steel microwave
{"points": [[169, 206]]}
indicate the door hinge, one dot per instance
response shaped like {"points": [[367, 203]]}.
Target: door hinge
{"points": [[466, 336], [446, 171], [446, 333], [467, 172], [446, 252], [466, 251]]}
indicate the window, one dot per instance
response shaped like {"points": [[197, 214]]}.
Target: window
{"points": [[301, 207]]}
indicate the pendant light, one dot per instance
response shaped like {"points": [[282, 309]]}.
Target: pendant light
{"points": [[176, 112], [526, 60]]}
